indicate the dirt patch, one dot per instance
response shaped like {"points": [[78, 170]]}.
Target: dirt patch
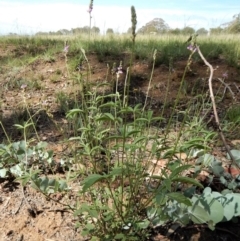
{"points": [[28, 215]]}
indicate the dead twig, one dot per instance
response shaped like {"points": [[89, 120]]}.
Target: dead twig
{"points": [[237, 87], [5, 205], [227, 87], [215, 108], [19, 206]]}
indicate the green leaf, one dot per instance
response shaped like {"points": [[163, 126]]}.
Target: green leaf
{"points": [[93, 213], [167, 184], [126, 110], [142, 224], [140, 139], [195, 143], [151, 212], [180, 198], [3, 172], [196, 152], [211, 225], [228, 204], [161, 199], [120, 236], [236, 155], [23, 146], [19, 126], [158, 221], [207, 192], [141, 119], [117, 171], [187, 180], [90, 180], [44, 184], [179, 170], [17, 170], [52, 182], [128, 134], [189, 192], [158, 118], [213, 207], [106, 117], [198, 214], [73, 112], [206, 159], [62, 185], [108, 104], [88, 229], [217, 169], [41, 145]]}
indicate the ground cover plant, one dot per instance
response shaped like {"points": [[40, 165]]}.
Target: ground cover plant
{"points": [[126, 137]]}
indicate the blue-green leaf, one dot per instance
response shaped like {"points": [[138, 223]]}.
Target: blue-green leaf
{"points": [[90, 180]]}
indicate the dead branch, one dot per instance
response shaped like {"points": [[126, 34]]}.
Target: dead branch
{"points": [[236, 87], [227, 87], [215, 108]]}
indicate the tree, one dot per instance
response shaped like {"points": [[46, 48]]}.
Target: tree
{"points": [[63, 32], [202, 31], [234, 25], [85, 29], [217, 30], [175, 31], [76, 30], [109, 31], [188, 30], [95, 30], [129, 31], [157, 25]]}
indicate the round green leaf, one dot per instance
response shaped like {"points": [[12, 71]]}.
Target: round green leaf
{"points": [[3, 172], [198, 215]]}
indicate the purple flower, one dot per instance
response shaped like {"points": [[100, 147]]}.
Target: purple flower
{"points": [[225, 75], [119, 70], [192, 48], [66, 48], [90, 9]]}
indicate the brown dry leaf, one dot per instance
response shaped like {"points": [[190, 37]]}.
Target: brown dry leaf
{"points": [[233, 171], [58, 148], [157, 166], [202, 176], [182, 156]]}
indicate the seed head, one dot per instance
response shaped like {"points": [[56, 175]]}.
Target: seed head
{"points": [[134, 22], [90, 8]]}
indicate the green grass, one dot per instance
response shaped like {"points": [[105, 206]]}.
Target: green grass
{"points": [[168, 46]]}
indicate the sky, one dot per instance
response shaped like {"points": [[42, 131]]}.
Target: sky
{"points": [[31, 16]]}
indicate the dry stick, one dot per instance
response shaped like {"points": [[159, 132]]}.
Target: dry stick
{"points": [[236, 87], [19, 206], [227, 87], [215, 109]]}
